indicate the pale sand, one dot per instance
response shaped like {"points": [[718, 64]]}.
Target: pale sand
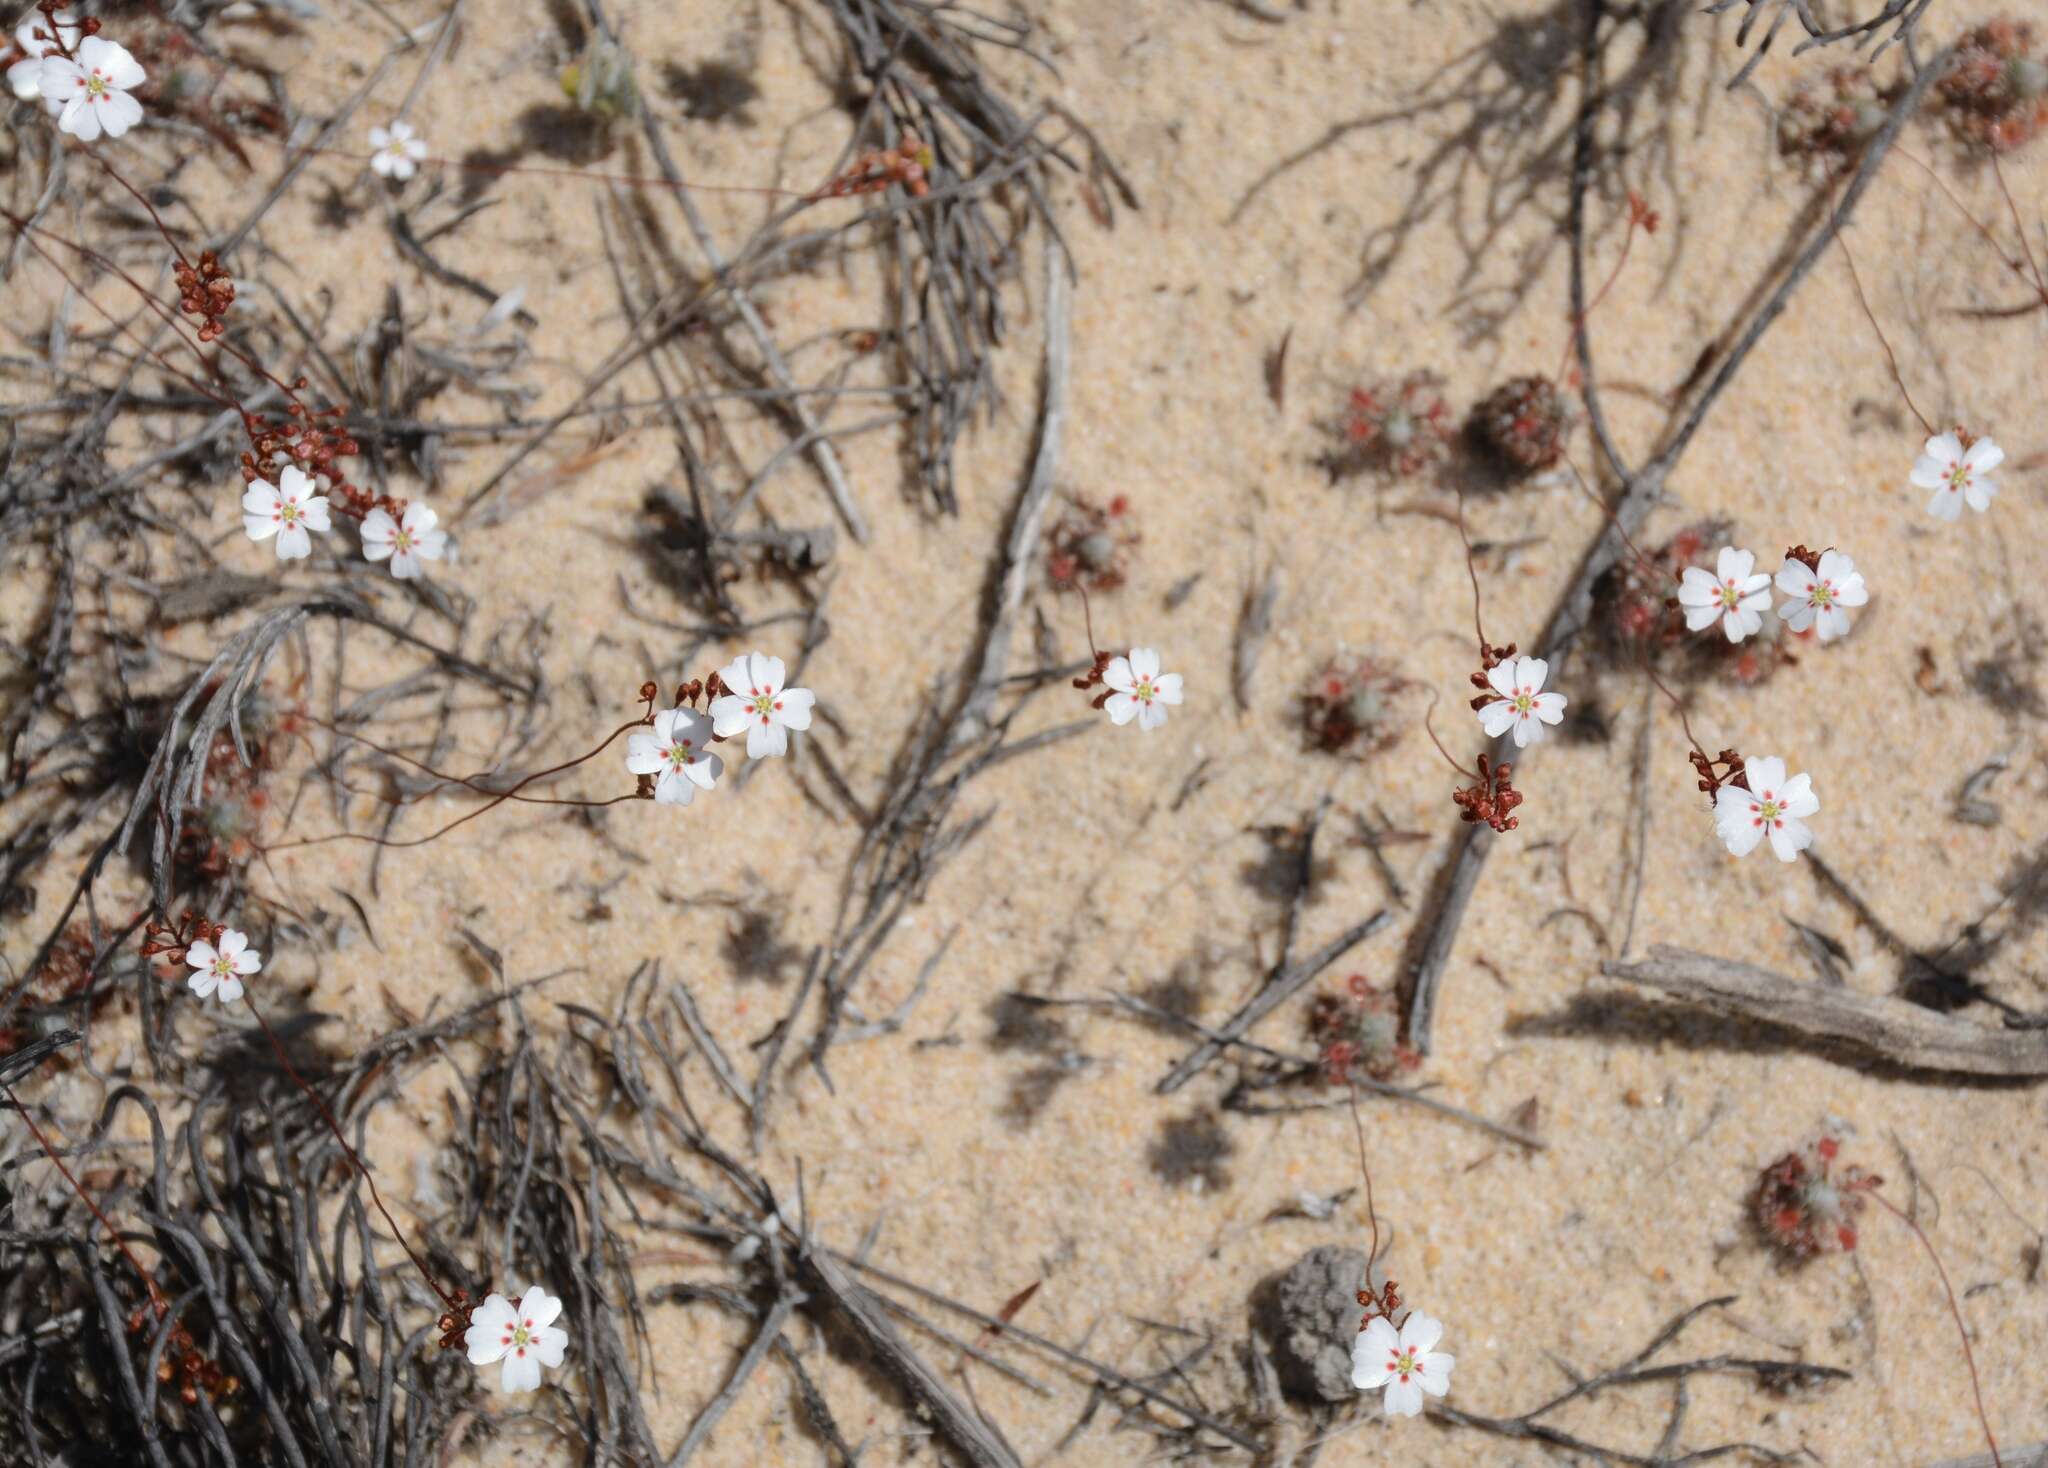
{"points": [[1086, 881]]}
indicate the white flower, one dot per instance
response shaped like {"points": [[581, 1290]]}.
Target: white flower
{"points": [[678, 753], [287, 509], [222, 968], [759, 704], [1404, 1362], [1819, 596], [1957, 475], [1523, 705], [32, 36], [397, 152], [1736, 598], [406, 542], [93, 90], [525, 1338], [1138, 687], [1773, 806]]}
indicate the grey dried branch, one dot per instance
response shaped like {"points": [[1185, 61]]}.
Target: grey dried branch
{"points": [[1874, 1026]]}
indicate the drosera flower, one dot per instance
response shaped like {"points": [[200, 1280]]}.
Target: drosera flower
{"points": [[756, 701], [287, 510], [220, 968], [677, 754], [1766, 803], [1735, 594], [1958, 469], [92, 91], [1405, 1361], [1819, 586], [405, 541], [1521, 705], [523, 1336], [1138, 689], [396, 152], [33, 39]]}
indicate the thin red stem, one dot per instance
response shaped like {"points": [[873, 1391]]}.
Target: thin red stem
{"points": [[156, 1295], [1955, 1313], [1891, 359], [334, 1126]]}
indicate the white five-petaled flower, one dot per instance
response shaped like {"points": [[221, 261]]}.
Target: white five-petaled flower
{"points": [[1736, 597], [523, 1336], [1405, 1362], [397, 153], [1819, 596], [758, 703], [1772, 806], [678, 754], [1138, 688], [1957, 475], [287, 510], [1523, 705], [33, 37], [221, 970], [92, 92], [404, 542]]}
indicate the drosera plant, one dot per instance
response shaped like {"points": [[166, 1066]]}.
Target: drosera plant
{"points": [[1995, 93], [1089, 547], [1522, 426], [1392, 428], [224, 968], [1806, 1203], [1348, 707], [1827, 120], [1394, 1351], [1357, 1034]]}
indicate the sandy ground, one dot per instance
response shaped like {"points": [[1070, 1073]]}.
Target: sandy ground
{"points": [[1093, 877]]}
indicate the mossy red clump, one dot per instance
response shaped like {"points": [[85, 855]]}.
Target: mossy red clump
{"points": [[1805, 1205], [1996, 91], [1358, 1034], [1392, 428], [1349, 707], [1522, 425], [1091, 545]]}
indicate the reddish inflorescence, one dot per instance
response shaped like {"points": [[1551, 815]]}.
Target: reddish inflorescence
{"points": [[1804, 1206], [1392, 428], [909, 164], [183, 1365], [1090, 544], [1358, 1034], [1828, 121], [1996, 91], [206, 291], [1521, 425], [1350, 706], [1492, 798]]}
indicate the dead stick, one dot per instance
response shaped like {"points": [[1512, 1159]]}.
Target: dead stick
{"points": [[1875, 1025]]}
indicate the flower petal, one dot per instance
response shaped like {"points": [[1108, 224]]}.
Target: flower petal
{"points": [[1119, 675], [230, 990], [728, 715], [1404, 1398], [550, 1343], [1797, 796], [1698, 588], [1421, 1332], [1796, 578], [767, 740], [1789, 837], [1144, 662], [1167, 688], [672, 789], [1549, 707], [1151, 715], [293, 544], [1501, 678], [1530, 673], [119, 112], [1436, 1372], [522, 1370], [232, 943], [643, 754], [1984, 456], [200, 954], [1766, 775], [539, 1308], [1496, 717], [765, 674], [1733, 564], [1121, 707], [378, 529], [796, 707]]}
